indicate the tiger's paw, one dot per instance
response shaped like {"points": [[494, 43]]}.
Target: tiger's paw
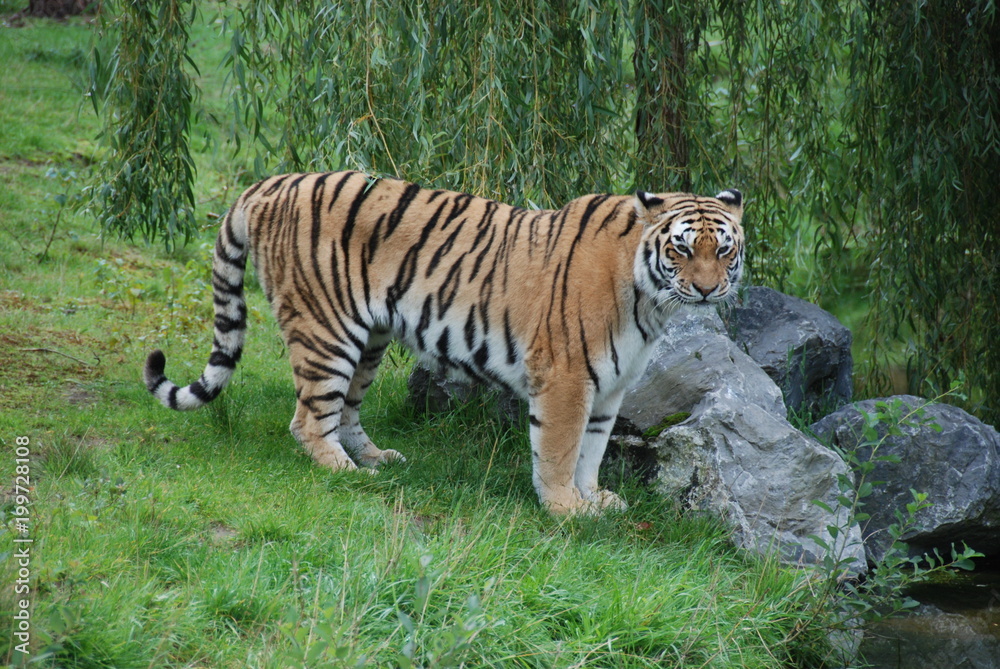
{"points": [[333, 460], [595, 504], [605, 500], [372, 456]]}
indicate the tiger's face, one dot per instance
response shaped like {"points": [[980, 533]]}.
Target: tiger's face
{"points": [[692, 247]]}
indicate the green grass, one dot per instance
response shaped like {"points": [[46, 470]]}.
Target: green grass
{"points": [[209, 539]]}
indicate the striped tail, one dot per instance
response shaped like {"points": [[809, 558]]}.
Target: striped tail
{"points": [[228, 268]]}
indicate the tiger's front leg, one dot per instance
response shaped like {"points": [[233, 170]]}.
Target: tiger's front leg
{"points": [[592, 446], [560, 414]]}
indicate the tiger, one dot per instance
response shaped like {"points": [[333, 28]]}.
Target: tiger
{"points": [[560, 307]]}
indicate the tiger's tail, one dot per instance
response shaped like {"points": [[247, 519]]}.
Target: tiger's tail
{"points": [[228, 269]]}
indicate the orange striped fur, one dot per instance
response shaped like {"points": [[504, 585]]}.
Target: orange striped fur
{"points": [[560, 307]]}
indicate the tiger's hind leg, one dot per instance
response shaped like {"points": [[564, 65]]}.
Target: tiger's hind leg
{"points": [[352, 435], [321, 386]]}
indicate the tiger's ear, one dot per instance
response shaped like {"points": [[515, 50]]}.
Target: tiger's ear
{"points": [[733, 199], [644, 202]]}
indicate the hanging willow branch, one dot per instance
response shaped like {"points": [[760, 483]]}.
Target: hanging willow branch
{"points": [[140, 84]]}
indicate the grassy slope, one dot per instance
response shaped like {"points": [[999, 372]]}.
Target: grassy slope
{"points": [[209, 539]]}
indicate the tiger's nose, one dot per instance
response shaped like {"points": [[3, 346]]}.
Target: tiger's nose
{"points": [[705, 292]]}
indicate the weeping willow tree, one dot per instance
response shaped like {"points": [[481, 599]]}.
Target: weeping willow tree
{"points": [[864, 133], [924, 111]]}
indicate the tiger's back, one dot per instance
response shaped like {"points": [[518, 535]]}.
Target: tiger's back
{"points": [[561, 307]]}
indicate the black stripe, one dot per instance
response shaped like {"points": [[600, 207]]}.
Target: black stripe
{"points": [[592, 206], [321, 347], [396, 217], [470, 328], [337, 352], [222, 359], [408, 267], [508, 335], [449, 289], [555, 231], [223, 255], [614, 349], [632, 218], [172, 397], [613, 215], [534, 421], [315, 235], [345, 239], [198, 390], [586, 356], [373, 354], [482, 356], [443, 249], [275, 184], [226, 324], [444, 343], [461, 203], [425, 322], [635, 313], [376, 237], [222, 285], [309, 375], [482, 254], [331, 396]]}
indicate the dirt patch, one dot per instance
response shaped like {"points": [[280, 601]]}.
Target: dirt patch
{"points": [[15, 300], [79, 396], [222, 534], [33, 358]]}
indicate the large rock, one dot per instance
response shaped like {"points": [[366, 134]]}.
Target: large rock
{"points": [[803, 348], [736, 454], [434, 392], [957, 464]]}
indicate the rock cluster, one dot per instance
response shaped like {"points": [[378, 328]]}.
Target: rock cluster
{"points": [[736, 455], [708, 422]]}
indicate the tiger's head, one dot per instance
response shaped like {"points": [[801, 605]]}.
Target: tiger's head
{"points": [[692, 247]]}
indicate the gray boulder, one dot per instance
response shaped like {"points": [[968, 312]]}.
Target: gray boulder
{"points": [[958, 467], [735, 454], [434, 392], [803, 348]]}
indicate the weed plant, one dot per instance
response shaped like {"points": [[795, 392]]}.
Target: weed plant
{"points": [[847, 604]]}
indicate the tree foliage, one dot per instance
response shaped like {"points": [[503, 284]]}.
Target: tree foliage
{"points": [[863, 130], [924, 109], [447, 93], [140, 83]]}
